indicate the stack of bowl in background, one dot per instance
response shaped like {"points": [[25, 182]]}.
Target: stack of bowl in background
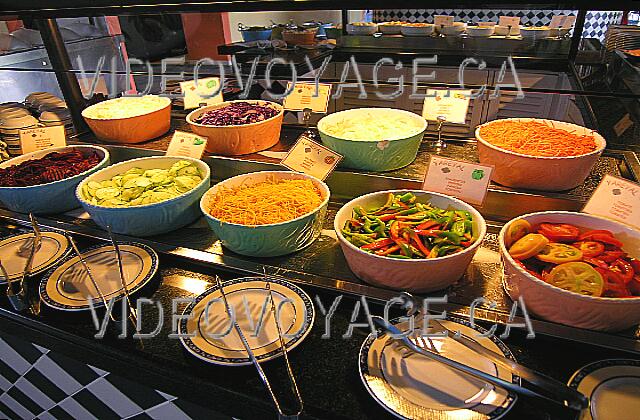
{"points": [[38, 108]]}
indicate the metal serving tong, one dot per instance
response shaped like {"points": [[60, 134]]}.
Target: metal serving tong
{"points": [[133, 315], [255, 362], [19, 300], [547, 388]]}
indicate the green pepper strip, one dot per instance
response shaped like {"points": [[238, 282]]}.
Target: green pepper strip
{"points": [[400, 257], [458, 228], [406, 197], [445, 249], [452, 237]]}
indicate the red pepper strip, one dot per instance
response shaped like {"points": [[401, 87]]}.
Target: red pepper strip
{"points": [[430, 232], [420, 245], [380, 243], [465, 244], [388, 251], [356, 223], [403, 205], [404, 245], [429, 224], [394, 230], [624, 268], [390, 216], [601, 237]]}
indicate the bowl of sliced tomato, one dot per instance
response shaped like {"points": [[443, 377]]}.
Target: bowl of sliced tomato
{"points": [[573, 268]]}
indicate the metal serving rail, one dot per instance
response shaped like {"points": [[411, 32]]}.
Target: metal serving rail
{"points": [[322, 265]]}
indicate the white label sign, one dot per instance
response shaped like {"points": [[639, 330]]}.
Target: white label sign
{"points": [[513, 21], [202, 93], [443, 20], [451, 104], [562, 21], [311, 158], [304, 96], [187, 145], [467, 181], [616, 198], [33, 139]]}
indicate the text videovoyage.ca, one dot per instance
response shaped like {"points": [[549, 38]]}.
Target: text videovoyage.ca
{"points": [[422, 72]]}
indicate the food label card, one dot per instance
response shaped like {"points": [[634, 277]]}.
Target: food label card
{"points": [[33, 139], [467, 181], [513, 21], [616, 198], [562, 21], [452, 104], [443, 20], [194, 95], [187, 145], [311, 158], [304, 96]]}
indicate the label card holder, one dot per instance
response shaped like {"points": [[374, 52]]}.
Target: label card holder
{"points": [[303, 96], [194, 95], [453, 104], [40, 138], [616, 198], [513, 21], [562, 21], [468, 181], [311, 158], [443, 20], [187, 145]]}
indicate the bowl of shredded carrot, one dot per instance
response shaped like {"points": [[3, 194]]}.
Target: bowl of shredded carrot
{"points": [[266, 214], [538, 154]]}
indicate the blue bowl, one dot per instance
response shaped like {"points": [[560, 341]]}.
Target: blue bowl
{"points": [[248, 36], [150, 219], [53, 197]]}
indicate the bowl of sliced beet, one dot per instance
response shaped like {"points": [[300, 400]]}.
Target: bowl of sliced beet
{"points": [[44, 182]]}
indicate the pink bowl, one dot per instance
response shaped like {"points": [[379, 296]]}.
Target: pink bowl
{"points": [[537, 172], [565, 307], [412, 275]]}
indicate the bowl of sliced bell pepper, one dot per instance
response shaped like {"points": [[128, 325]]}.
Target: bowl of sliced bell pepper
{"points": [[575, 269], [410, 240]]}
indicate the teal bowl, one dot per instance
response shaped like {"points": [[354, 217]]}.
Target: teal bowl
{"points": [[374, 154], [149, 219], [53, 197], [267, 240]]}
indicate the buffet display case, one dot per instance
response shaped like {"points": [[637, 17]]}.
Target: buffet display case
{"points": [[180, 255]]}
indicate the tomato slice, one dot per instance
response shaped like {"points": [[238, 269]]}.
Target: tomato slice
{"points": [[596, 262], [559, 232], [611, 256], [624, 268], [603, 236], [590, 248], [517, 229], [614, 286], [636, 265], [578, 277], [528, 246], [558, 253], [594, 232]]}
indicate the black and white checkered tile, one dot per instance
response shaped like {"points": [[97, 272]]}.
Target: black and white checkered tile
{"points": [[36, 383], [596, 23]]}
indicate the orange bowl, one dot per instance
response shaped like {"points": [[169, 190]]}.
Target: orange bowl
{"points": [[135, 129], [231, 140]]}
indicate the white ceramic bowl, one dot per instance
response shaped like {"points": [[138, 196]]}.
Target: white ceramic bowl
{"points": [[388, 29], [534, 32], [504, 30], [150, 219], [273, 239], [456, 29], [53, 197], [565, 307], [537, 172], [417, 30], [361, 30], [480, 31], [423, 275]]}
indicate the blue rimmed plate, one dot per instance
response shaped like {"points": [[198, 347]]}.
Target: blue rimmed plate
{"points": [[613, 389], [417, 387], [213, 338], [54, 247], [67, 287]]}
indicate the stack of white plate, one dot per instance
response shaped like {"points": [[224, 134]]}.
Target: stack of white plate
{"points": [[10, 127], [57, 116], [43, 101]]}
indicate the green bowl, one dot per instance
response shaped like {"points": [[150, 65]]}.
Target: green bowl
{"points": [[374, 155], [267, 240]]}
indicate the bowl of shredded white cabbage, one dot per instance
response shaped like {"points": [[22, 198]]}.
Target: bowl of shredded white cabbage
{"points": [[130, 119], [373, 139]]}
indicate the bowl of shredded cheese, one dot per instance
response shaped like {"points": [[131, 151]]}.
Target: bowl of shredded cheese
{"points": [[130, 119], [266, 214], [538, 154], [373, 139]]}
